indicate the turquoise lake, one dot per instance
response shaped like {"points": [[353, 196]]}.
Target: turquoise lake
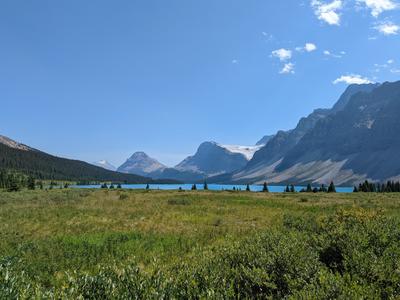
{"points": [[214, 187]]}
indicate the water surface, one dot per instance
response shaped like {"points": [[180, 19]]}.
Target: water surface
{"points": [[214, 187]]}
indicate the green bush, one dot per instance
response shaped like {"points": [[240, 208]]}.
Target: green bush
{"points": [[353, 254]]}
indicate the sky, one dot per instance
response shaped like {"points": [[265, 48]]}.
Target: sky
{"points": [[98, 79]]}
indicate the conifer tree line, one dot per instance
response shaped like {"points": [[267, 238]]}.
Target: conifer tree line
{"points": [[322, 189], [14, 181], [373, 187]]}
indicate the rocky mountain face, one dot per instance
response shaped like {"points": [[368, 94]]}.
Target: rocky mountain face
{"points": [[332, 144], [265, 139], [142, 164], [105, 165], [212, 159], [362, 138], [13, 144]]}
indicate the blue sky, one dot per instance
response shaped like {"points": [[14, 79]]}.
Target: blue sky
{"points": [[102, 79]]}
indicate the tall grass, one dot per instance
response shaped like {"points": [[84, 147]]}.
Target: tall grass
{"points": [[164, 244]]}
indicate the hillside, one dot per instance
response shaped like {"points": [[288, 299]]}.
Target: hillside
{"points": [[21, 158]]}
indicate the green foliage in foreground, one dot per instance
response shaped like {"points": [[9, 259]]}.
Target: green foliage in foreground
{"points": [[351, 253]]}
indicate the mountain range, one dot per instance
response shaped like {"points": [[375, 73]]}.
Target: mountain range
{"points": [[355, 140], [209, 160], [347, 143]]}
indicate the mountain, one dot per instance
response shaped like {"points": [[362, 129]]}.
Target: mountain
{"points": [[105, 165], [360, 141], [212, 159], [13, 144], [265, 139], [350, 92], [142, 164], [291, 156], [18, 157]]}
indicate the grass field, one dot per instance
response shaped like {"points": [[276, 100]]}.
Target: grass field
{"points": [[70, 243]]}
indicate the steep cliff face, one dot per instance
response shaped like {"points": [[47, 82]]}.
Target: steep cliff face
{"points": [[348, 143]]}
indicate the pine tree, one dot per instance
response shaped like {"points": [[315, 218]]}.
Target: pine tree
{"points": [[292, 189], [248, 188], [355, 190], [205, 187], [194, 187], [66, 185], [265, 188], [119, 186], [287, 189], [332, 188], [31, 183], [309, 188], [13, 184]]}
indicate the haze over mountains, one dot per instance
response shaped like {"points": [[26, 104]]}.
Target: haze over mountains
{"points": [[355, 140]]}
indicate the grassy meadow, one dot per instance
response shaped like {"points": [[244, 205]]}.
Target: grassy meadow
{"points": [[121, 244]]}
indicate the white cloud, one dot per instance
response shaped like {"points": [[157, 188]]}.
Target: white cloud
{"points": [[387, 28], [282, 54], [379, 6], [309, 47], [395, 71], [390, 61], [328, 12], [287, 69], [329, 53], [235, 61], [268, 37], [352, 79]]}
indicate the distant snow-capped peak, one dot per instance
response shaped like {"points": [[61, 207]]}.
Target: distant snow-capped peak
{"points": [[105, 165]]}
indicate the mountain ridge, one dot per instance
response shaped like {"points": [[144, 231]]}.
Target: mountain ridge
{"points": [[269, 163], [24, 159]]}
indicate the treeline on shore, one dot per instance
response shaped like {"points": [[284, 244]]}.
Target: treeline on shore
{"points": [[14, 182], [372, 187]]}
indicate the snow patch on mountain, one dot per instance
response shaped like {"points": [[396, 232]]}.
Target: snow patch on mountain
{"points": [[246, 151]]}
